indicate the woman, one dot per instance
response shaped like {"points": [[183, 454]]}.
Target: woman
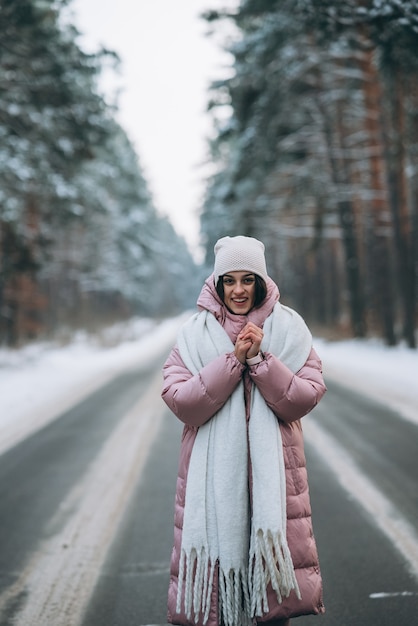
{"points": [[242, 375]]}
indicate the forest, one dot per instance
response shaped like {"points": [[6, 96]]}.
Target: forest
{"points": [[81, 242], [316, 152]]}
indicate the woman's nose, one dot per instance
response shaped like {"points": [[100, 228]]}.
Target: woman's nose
{"points": [[239, 287]]}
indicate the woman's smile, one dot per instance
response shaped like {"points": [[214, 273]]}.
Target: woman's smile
{"points": [[239, 292]]}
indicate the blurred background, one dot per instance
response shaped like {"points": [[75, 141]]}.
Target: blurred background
{"points": [[309, 143]]}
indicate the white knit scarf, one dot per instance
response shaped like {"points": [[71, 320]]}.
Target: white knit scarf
{"points": [[217, 528]]}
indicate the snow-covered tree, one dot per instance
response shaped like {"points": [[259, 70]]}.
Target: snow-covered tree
{"points": [[314, 158], [79, 234]]}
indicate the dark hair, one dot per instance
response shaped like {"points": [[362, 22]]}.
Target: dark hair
{"points": [[260, 290]]}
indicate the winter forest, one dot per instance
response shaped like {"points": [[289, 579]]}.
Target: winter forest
{"points": [[315, 152], [81, 243]]}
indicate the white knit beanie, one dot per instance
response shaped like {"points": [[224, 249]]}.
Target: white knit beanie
{"points": [[239, 254]]}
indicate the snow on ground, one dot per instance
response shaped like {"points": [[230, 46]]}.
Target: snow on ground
{"points": [[40, 381], [389, 375]]}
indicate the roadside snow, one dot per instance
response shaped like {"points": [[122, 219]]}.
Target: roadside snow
{"points": [[388, 375], [39, 382]]}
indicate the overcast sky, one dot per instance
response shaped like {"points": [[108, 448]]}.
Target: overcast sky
{"points": [[167, 65]]}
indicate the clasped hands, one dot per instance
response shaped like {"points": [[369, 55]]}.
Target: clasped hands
{"points": [[248, 342]]}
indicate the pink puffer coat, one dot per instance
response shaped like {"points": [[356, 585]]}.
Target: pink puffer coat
{"points": [[195, 399]]}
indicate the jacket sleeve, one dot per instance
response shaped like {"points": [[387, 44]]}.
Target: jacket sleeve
{"points": [[290, 396], [194, 399]]}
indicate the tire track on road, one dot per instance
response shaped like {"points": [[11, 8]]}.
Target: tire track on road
{"points": [[55, 585]]}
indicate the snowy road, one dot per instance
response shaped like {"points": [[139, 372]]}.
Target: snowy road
{"points": [[64, 491], [66, 484], [363, 467], [87, 494]]}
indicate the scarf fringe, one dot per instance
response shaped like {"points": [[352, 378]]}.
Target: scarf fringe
{"points": [[270, 562], [234, 597], [198, 583], [242, 593]]}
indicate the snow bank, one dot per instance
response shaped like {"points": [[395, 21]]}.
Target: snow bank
{"points": [[389, 375], [41, 381]]}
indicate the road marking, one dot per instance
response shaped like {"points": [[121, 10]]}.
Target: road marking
{"points": [[400, 532], [57, 582], [392, 594]]}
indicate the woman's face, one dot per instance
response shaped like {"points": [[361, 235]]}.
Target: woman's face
{"points": [[239, 291]]}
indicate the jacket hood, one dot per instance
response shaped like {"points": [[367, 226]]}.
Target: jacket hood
{"points": [[209, 300]]}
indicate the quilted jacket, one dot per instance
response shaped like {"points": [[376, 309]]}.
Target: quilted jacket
{"points": [[195, 399]]}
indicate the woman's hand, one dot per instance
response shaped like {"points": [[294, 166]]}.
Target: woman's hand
{"points": [[248, 342]]}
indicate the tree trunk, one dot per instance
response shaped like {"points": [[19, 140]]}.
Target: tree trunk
{"points": [[382, 282], [349, 236], [399, 207]]}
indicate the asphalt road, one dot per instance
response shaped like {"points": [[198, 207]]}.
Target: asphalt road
{"points": [[86, 510]]}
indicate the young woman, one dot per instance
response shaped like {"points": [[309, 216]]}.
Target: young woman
{"points": [[241, 376]]}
